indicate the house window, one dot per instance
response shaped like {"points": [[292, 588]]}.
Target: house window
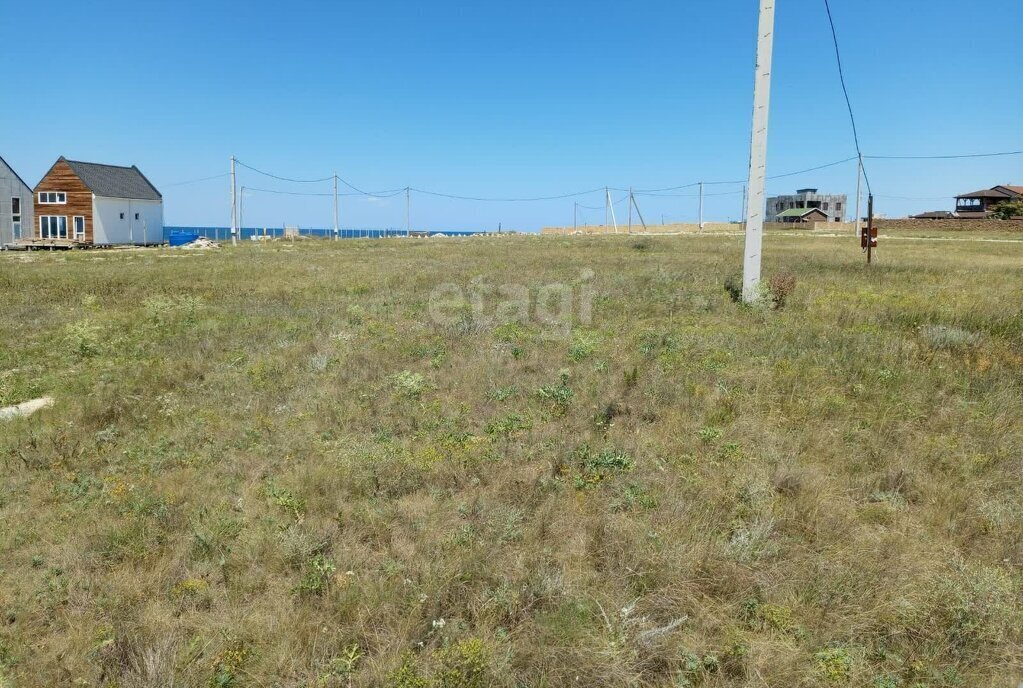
{"points": [[16, 216], [52, 197], [79, 225], [122, 216], [827, 206], [136, 216], [53, 227], [838, 207]]}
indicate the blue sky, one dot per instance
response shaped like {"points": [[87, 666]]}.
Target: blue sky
{"points": [[519, 99]]}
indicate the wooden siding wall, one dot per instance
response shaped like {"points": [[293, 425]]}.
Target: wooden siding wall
{"points": [[79, 199]]}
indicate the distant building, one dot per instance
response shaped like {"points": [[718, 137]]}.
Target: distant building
{"points": [[16, 207], [833, 206], [802, 216], [934, 215], [979, 205], [97, 204]]}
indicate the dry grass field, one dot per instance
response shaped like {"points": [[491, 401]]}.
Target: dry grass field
{"points": [[316, 466]]}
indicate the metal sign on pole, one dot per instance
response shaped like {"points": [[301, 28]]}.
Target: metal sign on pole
{"points": [[756, 202]]}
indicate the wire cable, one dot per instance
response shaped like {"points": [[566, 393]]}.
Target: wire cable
{"points": [[196, 181], [508, 200], [845, 90], [942, 157], [284, 179]]}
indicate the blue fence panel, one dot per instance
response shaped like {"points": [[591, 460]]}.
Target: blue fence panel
{"points": [[247, 233]]}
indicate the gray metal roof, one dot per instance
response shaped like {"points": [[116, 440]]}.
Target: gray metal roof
{"points": [[112, 181]]}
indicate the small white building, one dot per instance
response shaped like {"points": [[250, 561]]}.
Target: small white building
{"points": [[17, 218], [102, 205]]}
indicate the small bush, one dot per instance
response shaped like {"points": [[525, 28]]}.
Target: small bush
{"points": [[834, 664], [463, 665], [408, 384], [733, 285], [947, 338], [781, 286]]}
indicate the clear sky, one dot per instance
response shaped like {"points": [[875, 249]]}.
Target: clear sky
{"points": [[524, 98]]}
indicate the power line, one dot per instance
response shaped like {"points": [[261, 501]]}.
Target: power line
{"points": [[284, 179], [845, 90], [196, 181], [942, 157], [509, 200]]}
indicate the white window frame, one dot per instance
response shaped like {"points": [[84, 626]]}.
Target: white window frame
{"points": [[16, 217], [48, 234], [74, 227], [59, 198]]}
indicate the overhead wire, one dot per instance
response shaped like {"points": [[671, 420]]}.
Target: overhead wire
{"points": [[845, 91]]}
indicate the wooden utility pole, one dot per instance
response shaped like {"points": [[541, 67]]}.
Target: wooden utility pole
{"points": [[756, 202], [870, 228], [234, 206]]}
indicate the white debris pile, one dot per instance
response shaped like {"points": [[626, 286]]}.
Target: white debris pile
{"points": [[25, 409], [201, 243]]}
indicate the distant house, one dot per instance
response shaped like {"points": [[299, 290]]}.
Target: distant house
{"points": [[934, 215], [802, 216], [834, 206], [979, 205], [16, 207], [103, 205]]}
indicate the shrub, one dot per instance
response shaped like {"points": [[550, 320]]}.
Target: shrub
{"points": [[463, 665], [408, 384], [947, 338], [781, 286], [407, 674], [834, 664], [733, 285]]}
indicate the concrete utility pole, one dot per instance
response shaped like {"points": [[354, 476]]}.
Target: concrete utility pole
{"points": [[701, 206], [630, 210], [611, 208], [575, 216], [234, 206], [607, 205], [241, 208], [756, 203], [335, 208], [408, 211]]}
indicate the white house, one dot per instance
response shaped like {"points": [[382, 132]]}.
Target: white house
{"points": [[102, 205], [17, 218]]}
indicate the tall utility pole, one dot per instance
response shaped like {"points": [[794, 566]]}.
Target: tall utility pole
{"points": [[408, 211], [575, 216], [607, 205], [234, 207], [859, 194], [611, 209], [870, 227], [630, 210], [336, 233], [701, 206], [241, 208], [744, 207], [756, 202]]}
